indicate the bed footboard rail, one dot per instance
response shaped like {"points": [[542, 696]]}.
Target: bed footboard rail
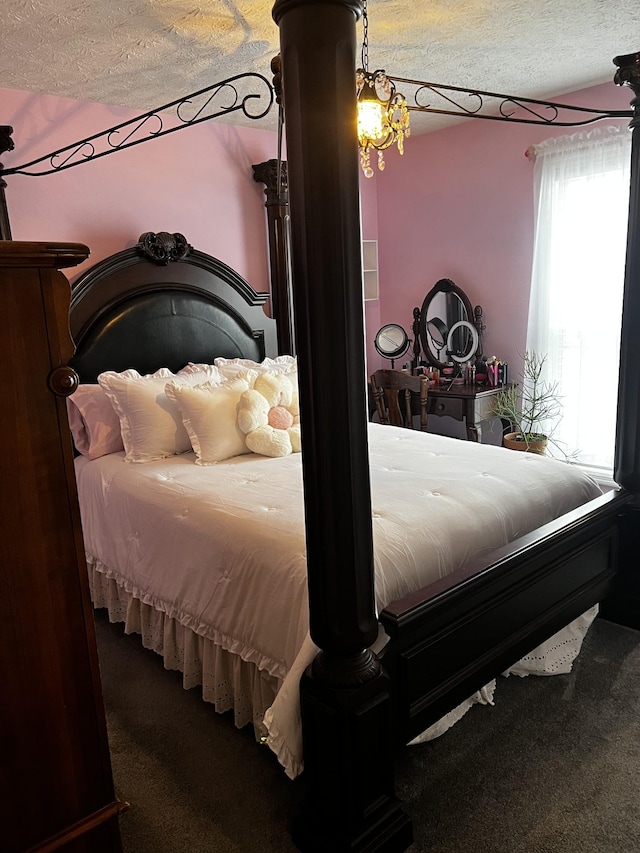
{"points": [[449, 639]]}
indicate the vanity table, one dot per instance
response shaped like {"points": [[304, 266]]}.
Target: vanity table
{"points": [[448, 333], [471, 404], [449, 330]]}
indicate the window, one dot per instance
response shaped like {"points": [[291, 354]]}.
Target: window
{"points": [[575, 312]]}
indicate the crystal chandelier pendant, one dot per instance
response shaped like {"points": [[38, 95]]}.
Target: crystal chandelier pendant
{"points": [[382, 112]]}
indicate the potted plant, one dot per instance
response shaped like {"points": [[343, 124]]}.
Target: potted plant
{"points": [[532, 407]]}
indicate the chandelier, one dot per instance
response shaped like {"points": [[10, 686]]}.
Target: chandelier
{"points": [[383, 116]]}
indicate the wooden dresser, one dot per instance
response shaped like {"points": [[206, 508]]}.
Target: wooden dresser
{"points": [[55, 770]]}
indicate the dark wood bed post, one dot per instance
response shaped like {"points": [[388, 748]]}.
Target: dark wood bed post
{"points": [[623, 603], [277, 205], [627, 457], [349, 802], [6, 144]]}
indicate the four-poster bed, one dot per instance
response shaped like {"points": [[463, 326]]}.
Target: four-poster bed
{"points": [[165, 305], [447, 640]]}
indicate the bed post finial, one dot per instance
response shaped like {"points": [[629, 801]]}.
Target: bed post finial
{"points": [[6, 144], [628, 74], [626, 470]]}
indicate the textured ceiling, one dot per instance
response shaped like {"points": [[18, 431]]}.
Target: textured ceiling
{"points": [[144, 53]]}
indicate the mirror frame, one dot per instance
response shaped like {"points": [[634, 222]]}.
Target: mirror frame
{"points": [[400, 350], [443, 285], [469, 356]]}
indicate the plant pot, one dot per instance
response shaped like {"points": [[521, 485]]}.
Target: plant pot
{"points": [[515, 441]]}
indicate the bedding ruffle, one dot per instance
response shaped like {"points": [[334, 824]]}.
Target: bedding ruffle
{"points": [[227, 681], [231, 683]]}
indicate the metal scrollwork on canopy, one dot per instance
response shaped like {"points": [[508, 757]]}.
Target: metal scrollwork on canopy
{"points": [[475, 103], [162, 248], [249, 93]]}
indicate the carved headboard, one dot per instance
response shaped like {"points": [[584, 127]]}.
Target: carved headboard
{"points": [[163, 303]]}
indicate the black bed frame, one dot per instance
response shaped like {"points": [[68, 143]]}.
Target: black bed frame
{"points": [[163, 303], [446, 640]]}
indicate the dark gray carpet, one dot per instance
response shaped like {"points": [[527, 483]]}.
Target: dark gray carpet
{"points": [[554, 767]]}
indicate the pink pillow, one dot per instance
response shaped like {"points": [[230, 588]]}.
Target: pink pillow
{"points": [[94, 424]]}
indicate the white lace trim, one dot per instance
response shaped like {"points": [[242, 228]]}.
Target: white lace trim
{"points": [[484, 696], [186, 620], [231, 680], [228, 681], [557, 654]]}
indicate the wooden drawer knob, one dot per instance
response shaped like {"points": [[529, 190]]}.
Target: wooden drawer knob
{"points": [[63, 381]]}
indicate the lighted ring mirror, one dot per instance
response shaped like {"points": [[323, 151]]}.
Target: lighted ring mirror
{"points": [[466, 335]]}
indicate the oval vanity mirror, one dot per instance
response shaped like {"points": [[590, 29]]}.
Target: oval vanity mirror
{"points": [[391, 341], [445, 326]]}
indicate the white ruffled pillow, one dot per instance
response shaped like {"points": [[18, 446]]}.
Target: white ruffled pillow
{"points": [[232, 367], [94, 424], [150, 423], [205, 372], [209, 414]]}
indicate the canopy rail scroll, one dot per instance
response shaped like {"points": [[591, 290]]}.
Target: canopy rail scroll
{"points": [[221, 99], [438, 98]]}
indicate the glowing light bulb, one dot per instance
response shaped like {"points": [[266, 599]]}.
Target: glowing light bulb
{"points": [[371, 120]]}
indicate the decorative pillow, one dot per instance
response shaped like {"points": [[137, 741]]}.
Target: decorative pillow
{"points": [[151, 427], [209, 414], [206, 372], [150, 423], [269, 415], [287, 364], [94, 424]]}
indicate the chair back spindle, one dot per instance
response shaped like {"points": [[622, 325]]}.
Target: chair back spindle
{"points": [[392, 393]]}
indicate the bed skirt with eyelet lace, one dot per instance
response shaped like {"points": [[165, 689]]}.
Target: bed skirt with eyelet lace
{"points": [[227, 681], [231, 683]]}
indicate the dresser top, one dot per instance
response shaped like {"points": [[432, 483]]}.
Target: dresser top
{"points": [[16, 253]]}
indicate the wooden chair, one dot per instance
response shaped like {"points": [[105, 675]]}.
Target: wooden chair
{"points": [[392, 391]]}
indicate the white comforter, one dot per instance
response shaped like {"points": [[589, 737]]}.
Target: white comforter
{"points": [[222, 548]]}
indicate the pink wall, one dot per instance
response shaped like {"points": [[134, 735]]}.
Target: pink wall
{"points": [[197, 181], [459, 205]]}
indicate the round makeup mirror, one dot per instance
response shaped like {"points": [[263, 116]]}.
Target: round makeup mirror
{"points": [[462, 342], [445, 318], [391, 341]]}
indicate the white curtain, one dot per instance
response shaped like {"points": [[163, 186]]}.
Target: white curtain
{"points": [[575, 311]]}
